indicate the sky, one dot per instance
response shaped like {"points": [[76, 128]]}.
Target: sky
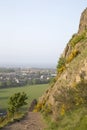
{"points": [[33, 33]]}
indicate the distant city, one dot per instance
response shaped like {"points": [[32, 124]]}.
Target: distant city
{"points": [[15, 77]]}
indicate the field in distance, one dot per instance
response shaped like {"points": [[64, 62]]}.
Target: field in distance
{"points": [[33, 92]]}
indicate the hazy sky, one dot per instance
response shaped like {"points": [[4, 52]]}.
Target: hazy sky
{"points": [[34, 32]]}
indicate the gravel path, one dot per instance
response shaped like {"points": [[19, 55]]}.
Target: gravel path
{"points": [[33, 121]]}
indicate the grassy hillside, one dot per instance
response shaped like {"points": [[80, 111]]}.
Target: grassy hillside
{"points": [[33, 91], [74, 120]]}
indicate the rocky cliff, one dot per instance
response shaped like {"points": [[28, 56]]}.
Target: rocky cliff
{"points": [[74, 67], [83, 21]]}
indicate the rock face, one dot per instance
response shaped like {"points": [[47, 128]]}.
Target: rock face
{"points": [[83, 21], [32, 105], [75, 70]]}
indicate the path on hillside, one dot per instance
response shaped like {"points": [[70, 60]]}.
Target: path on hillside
{"points": [[33, 121]]}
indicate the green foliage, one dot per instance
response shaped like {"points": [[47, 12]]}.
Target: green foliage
{"points": [[17, 101], [61, 64], [52, 126], [77, 38]]}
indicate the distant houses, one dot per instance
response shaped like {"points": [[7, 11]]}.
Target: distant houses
{"points": [[20, 77]]}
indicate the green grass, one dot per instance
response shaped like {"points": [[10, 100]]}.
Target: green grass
{"points": [[33, 91], [74, 120]]}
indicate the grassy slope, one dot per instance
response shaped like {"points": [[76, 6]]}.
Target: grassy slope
{"points": [[34, 91], [74, 120]]}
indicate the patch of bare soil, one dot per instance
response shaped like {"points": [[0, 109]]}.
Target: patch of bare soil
{"points": [[33, 121]]}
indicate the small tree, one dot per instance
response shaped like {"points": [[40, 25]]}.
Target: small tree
{"points": [[16, 102]]}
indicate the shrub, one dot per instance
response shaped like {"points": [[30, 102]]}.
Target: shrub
{"points": [[16, 102], [61, 64]]}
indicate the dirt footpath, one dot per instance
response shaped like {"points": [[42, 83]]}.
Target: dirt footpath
{"points": [[33, 121]]}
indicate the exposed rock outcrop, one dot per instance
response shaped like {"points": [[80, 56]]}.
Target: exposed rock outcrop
{"points": [[83, 21], [75, 67]]}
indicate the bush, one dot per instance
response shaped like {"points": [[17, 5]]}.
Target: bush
{"points": [[16, 102], [61, 64]]}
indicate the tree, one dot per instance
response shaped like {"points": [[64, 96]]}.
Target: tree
{"points": [[16, 102]]}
